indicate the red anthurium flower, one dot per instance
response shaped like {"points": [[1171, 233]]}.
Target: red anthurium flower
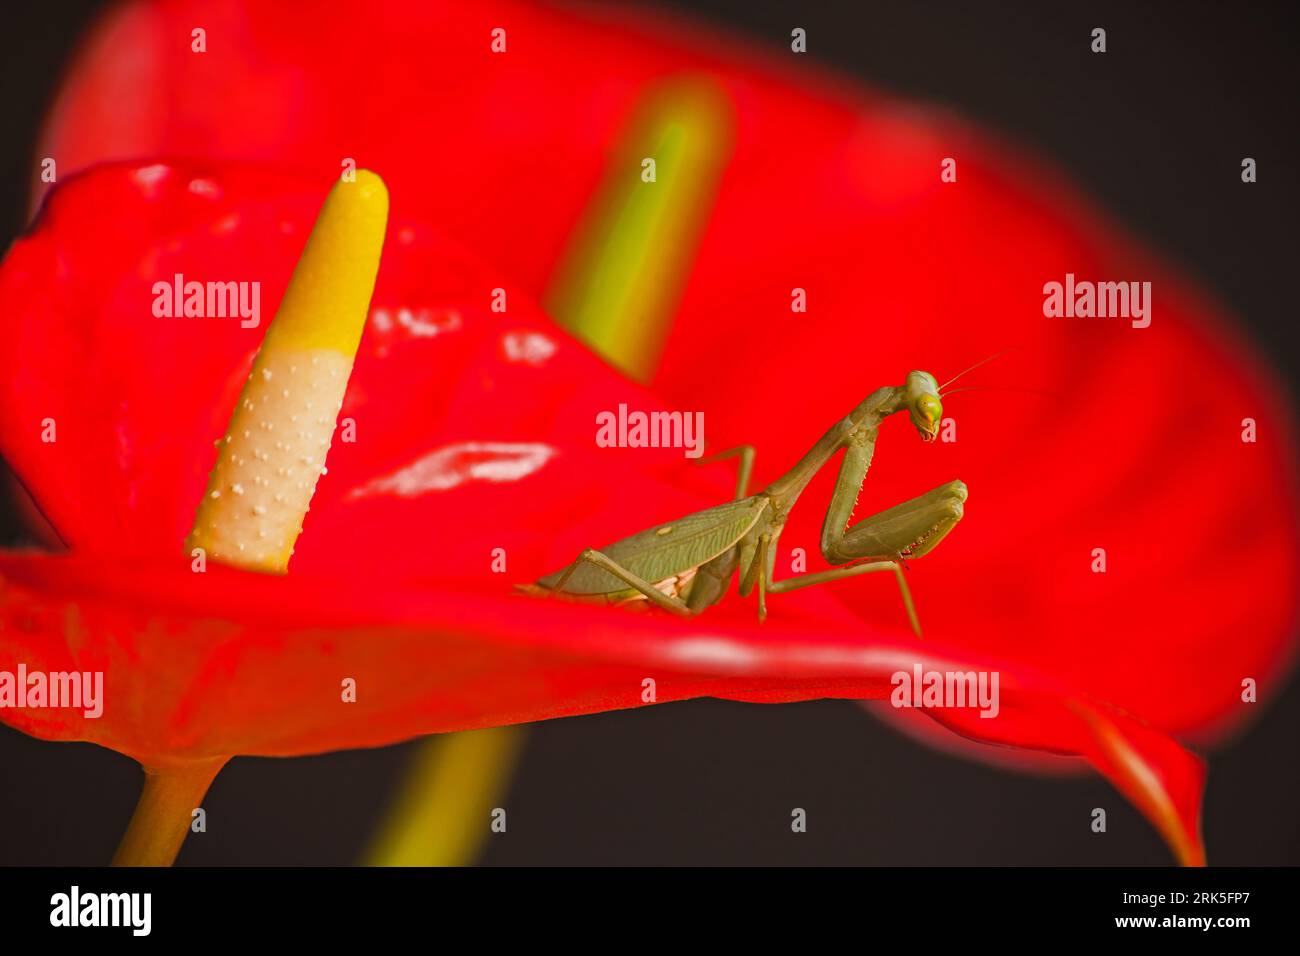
{"points": [[480, 435], [1138, 452], [476, 432], [835, 190]]}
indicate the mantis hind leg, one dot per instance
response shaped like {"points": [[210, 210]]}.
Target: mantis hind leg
{"points": [[666, 601], [834, 574], [762, 570], [746, 455]]}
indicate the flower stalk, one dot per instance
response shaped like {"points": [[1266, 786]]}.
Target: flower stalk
{"points": [[163, 816]]}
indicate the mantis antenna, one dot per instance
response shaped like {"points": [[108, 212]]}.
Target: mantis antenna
{"points": [[983, 361], [1002, 388]]}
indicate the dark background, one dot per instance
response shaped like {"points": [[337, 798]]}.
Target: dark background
{"points": [[1155, 130]]}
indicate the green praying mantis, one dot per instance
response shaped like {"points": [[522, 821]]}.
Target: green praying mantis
{"points": [[685, 566]]}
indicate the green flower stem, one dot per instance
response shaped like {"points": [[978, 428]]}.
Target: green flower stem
{"points": [[162, 817]]}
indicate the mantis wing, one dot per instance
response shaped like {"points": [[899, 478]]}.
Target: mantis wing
{"points": [[667, 549]]}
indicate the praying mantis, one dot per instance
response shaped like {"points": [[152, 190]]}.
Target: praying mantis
{"points": [[685, 566]]}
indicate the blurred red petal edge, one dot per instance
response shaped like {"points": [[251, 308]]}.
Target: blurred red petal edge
{"points": [[230, 662], [1153, 771], [1158, 776]]}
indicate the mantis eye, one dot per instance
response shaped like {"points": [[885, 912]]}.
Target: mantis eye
{"points": [[930, 408]]}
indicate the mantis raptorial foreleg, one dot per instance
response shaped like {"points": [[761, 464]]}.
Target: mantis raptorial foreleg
{"points": [[605, 563], [912, 528], [746, 453]]}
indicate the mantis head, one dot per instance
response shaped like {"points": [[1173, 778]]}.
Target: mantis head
{"points": [[923, 405]]}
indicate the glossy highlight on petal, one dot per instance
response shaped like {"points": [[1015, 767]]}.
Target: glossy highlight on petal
{"points": [[453, 465]]}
